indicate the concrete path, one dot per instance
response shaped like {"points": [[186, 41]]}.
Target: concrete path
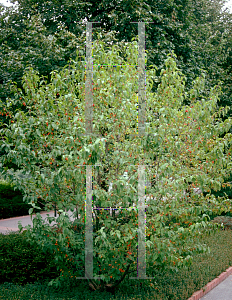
{"points": [[11, 224], [223, 291], [220, 288]]}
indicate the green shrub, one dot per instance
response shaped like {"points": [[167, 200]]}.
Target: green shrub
{"points": [[7, 189], [22, 263], [13, 207]]}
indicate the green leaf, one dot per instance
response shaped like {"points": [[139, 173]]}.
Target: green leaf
{"points": [[118, 234], [30, 211]]}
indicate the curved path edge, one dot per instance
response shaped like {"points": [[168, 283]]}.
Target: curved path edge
{"points": [[212, 284]]}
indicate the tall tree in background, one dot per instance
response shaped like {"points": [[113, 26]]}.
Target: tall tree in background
{"points": [[197, 30], [210, 32]]}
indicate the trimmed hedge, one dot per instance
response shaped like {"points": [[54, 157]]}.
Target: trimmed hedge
{"points": [[22, 263]]}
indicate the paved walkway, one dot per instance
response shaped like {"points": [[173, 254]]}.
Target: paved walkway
{"points": [[11, 224], [223, 291]]}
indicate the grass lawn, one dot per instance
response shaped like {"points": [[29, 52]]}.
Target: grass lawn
{"points": [[18, 258]]}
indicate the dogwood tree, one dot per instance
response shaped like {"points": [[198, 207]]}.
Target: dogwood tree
{"points": [[181, 146]]}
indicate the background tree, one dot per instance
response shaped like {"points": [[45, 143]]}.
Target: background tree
{"points": [[186, 27], [210, 32]]}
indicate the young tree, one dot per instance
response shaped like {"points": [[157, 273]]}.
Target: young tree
{"points": [[181, 145]]}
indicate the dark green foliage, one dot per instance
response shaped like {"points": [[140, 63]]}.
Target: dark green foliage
{"points": [[21, 262], [11, 202], [13, 207], [227, 190], [7, 190], [223, 192]]}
